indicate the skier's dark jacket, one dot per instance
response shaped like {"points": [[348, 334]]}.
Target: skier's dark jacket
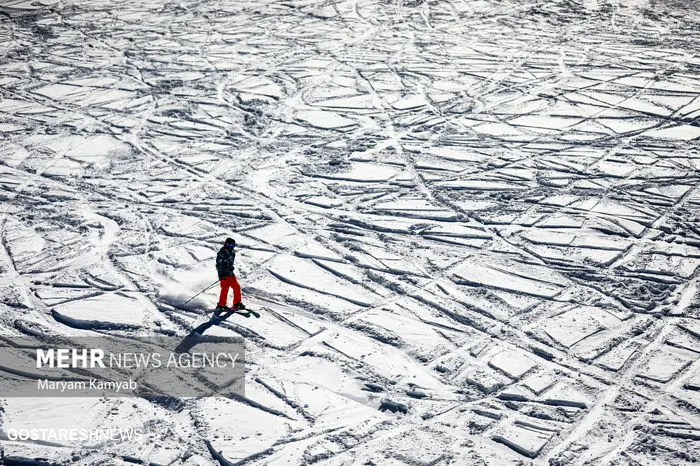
{"points": [[224, 262]]}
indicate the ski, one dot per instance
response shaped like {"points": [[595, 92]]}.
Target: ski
{"points": [[243, 312]]}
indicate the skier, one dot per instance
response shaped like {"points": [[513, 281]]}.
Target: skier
{"points": [[227, 279]]}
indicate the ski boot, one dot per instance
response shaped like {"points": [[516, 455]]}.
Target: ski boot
{"points": [[239, 307]]}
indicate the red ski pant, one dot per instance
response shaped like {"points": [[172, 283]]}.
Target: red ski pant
{"points": [[226, 283]]}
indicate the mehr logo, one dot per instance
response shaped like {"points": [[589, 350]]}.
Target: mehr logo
{"points": [[65, 358], [72, 358], [160, 365]]}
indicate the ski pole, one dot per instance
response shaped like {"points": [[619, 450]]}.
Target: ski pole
{"points": [[205, 289]]}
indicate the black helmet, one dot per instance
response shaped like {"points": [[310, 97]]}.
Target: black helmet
{"points": [[230, 241]]}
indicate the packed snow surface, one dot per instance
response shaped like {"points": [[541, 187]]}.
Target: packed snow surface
{"points": [[471, 228]]}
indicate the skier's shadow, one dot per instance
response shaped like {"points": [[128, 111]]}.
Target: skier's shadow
{"points": [[196, 335]]}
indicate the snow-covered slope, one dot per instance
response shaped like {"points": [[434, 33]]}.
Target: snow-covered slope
{"points": [[472, 228]]}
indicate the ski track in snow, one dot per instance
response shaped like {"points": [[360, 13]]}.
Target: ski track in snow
{"points": [[472, 228]]}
